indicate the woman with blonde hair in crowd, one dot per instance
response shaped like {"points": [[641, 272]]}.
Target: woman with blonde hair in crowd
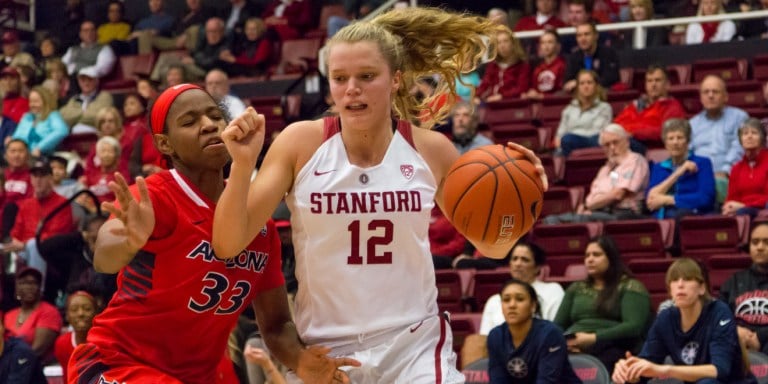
{"points": [[42, 128], [711, 31], [642, 10], [56, 79], [508, 75], [584, 117]]}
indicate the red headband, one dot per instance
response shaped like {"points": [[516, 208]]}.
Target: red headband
{"points": [[163, 104], [81, 293]]}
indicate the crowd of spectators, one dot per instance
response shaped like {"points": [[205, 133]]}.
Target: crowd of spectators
{"points": [[51, 89]]}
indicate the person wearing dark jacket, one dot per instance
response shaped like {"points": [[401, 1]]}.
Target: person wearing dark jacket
{"points": [[591, 55], [746, 290], [18, 363]]}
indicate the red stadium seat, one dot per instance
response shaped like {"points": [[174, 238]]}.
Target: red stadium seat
{"points": [[565, 239], [620, 99], [723, 266], [760, 68], [728, 69], [653, 274], [745, 94], [573, 272], [582, 166], [557, 200], [553, 166], [450, 296], [485, 284], [688, 96], [325, 13], [296, 57], [508, 111], [527, 136], [706, 235], [559, 264], [551, 109], [637, 238]]}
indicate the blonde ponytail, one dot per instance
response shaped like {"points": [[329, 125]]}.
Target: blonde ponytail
{"points": [[423, 42]]}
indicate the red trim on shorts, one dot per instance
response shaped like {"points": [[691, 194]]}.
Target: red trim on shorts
{"points": [[438, 350]]}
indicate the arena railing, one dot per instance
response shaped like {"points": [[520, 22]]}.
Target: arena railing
{"points": [[640, 27]]}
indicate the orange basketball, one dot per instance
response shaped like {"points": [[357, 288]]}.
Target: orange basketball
{"points": [[493, 195]]}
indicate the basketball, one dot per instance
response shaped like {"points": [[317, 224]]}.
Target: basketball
{"points": [[493, 195]]}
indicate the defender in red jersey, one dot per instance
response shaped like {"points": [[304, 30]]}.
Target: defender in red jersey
{"points": [[176, 302]]}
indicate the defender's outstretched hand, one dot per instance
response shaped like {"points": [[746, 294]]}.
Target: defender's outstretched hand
{"points": [[138, 217], [244, 136], [533, 159], [315, 366]]}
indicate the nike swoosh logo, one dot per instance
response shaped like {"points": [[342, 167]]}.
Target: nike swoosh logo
{"points": [[22, 361], [198, 222], [318, 173], [554, 349], [414, 328], [724, 322]]}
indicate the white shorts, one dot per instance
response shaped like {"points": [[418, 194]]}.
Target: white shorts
{"points": [[420, 353]]}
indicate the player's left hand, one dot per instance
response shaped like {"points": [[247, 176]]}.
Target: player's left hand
{"points": [[533, 159], [315, 366], [137, 216]]}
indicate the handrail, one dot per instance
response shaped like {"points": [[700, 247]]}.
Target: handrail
{"points": [[641, 26], [61, 207]]}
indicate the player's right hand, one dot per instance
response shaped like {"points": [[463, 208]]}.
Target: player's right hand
{"points": [[138, 217], [244, 137], [315, 366]]}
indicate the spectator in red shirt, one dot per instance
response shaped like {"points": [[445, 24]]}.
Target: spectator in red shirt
{"points": [[289, 18], [15, 104], [508, 75], [547, 77], [17, 184], [748, 181], [80, 310], [97, 177], [35, 208], [251, 55], [35, 321], [644, 117], [145, 158], [545, 17]]}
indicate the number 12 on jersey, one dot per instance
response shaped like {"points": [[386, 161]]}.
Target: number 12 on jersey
{"points": [[371, 242]]}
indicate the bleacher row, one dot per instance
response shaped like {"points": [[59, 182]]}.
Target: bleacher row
{"points": [[591, 371], [716, 241], [535, 123]]}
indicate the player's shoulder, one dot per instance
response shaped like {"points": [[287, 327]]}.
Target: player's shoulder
{"points": [[300, 137], [428, 138]]}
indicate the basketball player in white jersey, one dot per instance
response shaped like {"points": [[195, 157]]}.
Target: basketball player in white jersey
{"points": [[360, 188]]}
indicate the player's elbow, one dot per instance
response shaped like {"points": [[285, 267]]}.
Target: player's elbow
{"points": [[223, 249]]}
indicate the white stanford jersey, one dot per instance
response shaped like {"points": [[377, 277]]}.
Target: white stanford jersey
{"points": [[361, 239]]}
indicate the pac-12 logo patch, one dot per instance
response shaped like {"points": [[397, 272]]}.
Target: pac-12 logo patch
{"points": [[407, 171]]}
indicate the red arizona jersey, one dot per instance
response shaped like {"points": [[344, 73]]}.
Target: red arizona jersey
{"points": [[176, 303]]}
